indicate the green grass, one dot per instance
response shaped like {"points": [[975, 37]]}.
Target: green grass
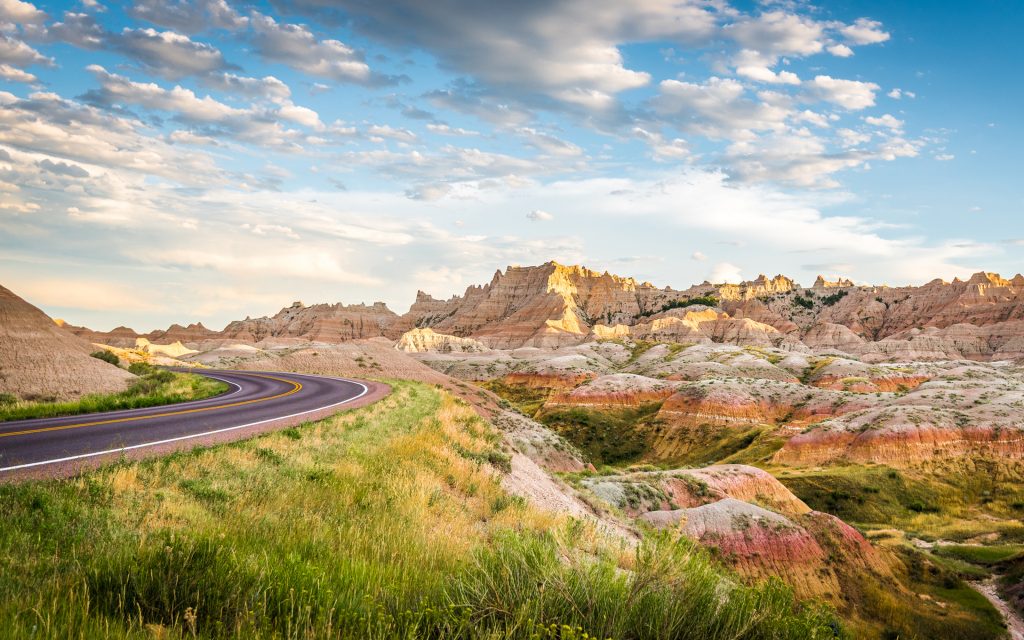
{"points": [[605, 436], [154, 388], [380, 523], [525, 398], [948, 502], [981, 555]]}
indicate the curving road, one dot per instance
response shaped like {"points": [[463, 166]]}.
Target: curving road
{"points": [[255, 402]]}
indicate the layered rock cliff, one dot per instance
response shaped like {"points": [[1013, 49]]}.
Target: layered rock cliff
{"points": [[554, 305]]}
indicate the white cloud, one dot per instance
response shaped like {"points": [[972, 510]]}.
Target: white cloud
{"points": [[849, 94], [387, 131], [864, 31], [778, 33], [266, 88], [662, 149], [538, 215], [20, 12], [764, 74], [568, 51], [718, 108], [296, 46], [447, 130], [698, 256], [897, 94], [851, 138], [13, 74], [944, 157], [840, 50], [255, 125], [547, 143], [189, 16], [725, 272], [888, 120], [168, 54], [16, 53]]}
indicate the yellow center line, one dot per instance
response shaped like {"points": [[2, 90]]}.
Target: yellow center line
{"points": [[296, 387]]}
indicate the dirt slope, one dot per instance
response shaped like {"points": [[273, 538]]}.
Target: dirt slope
{"points": [[38, 359]]}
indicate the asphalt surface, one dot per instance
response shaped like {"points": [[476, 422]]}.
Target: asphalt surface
{"points": [[255, 399]]}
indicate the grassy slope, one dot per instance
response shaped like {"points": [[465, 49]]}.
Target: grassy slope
{"points": [[150, 390], [383, 522]]}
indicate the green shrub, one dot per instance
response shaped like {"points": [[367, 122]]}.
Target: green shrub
{"points": [[801, 301], [106, 356], [141, 368], [828, 301], [7, 399], [707, 301]]}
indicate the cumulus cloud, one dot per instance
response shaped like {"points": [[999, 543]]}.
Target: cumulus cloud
{"points": [[840, 50], [265, 88], [566, 51], [718, 108], [764, 74], [296, 46], [849, 94], [888, 121], [78, 29], [168, 54], [778, 33], [48, 124], [263, 126], [13, 74], [16, 53], [448, 130], [537, 215], [662, 149], [547, 143], [18, 12], [725, 273], [864, 31], [188, 16], [698, 256], [63, 168]]}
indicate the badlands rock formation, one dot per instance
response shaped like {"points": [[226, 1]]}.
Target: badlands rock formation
{"points": [[39, 359], [319, 323], [801, 409], [757, 525], [554, 305]]}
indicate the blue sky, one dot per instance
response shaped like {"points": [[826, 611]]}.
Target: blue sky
{"points": [[179, 161]]}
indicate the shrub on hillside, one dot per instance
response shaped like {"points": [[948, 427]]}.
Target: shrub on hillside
{"points": [[106, 356], [141, 368]]}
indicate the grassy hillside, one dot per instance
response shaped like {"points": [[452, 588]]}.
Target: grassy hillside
{"points": [[153, 388], [385, 522]]}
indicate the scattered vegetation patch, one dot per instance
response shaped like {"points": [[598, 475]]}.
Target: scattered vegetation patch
{"points": [[806, 303], [981, 554], [830, 300], [153, 388], [528, 400], [106, 356], [707, 301], [606, 436]]}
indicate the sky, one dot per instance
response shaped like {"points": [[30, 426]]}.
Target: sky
{"points": [[167, 161]]}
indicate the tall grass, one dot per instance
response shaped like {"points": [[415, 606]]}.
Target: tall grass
{"points": [[153, 389], [386, 522]]}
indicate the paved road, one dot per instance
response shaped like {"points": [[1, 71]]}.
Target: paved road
{"points": [[254, 399]]}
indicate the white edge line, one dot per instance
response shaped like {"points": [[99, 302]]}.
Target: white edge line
{"points": [[192, 435]]}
